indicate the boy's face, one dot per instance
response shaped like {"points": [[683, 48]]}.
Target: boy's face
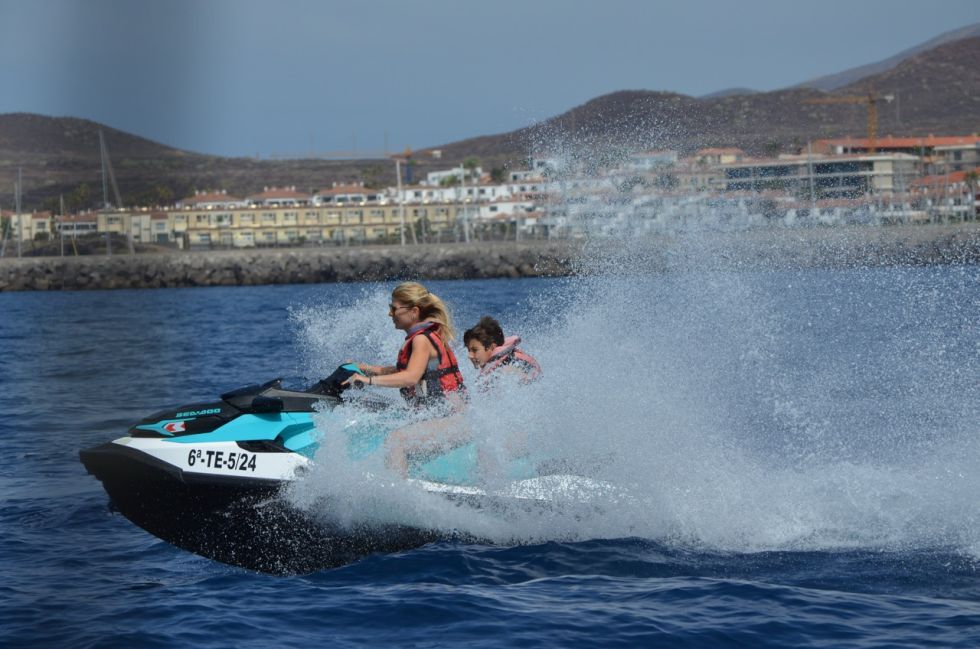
{"points": [[478, 354]]}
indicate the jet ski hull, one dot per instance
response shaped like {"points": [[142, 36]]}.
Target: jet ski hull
{"points": [[243, 522], [209, 478]]}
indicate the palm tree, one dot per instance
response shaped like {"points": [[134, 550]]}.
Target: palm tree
{"points": [[470, 164]]}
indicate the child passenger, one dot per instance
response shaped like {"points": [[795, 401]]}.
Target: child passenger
{"points": [[495, 355]]}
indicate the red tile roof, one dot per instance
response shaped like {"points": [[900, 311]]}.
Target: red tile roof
{"points": [[943, 179]]}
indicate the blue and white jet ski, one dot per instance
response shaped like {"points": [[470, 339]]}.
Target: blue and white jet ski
{"points": [[207, 477]]}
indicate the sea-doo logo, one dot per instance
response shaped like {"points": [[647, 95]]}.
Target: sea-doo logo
{"points": [[198, 413], [175, 427]]}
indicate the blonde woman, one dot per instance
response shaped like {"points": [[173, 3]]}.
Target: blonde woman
{"points": [[426, 372]]}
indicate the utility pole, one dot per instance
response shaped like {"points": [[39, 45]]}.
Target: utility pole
{"points": [[61, 225], [20, 221], [809, 163], [466, 207], [105, 178], [105, 197], [3, 235], [401, 199]]}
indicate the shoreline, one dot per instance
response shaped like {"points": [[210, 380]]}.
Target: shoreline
{"points": [[839, 247]]}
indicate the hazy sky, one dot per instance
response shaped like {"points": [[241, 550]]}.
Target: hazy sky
{"points": [[248, 77]]}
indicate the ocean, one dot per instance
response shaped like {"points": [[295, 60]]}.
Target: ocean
{"points": [[800, 448]]}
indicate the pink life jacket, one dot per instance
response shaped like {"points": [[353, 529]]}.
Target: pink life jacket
{"points": [[509, 355]]}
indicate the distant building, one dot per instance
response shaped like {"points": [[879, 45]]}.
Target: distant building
{"points": [[279, 197], [133, 224], [506, 207], [160, 230], [436, 178], [718, 156], [523, 175], [28, 226], [920, 146], [212, 200], [328, 224], [951, 195], [950, 158], [76, 225], [651, 160], [695, 175], [348, 194], [827, 177]]}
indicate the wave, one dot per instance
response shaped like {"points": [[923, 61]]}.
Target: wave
{"points": [[733, 411]]}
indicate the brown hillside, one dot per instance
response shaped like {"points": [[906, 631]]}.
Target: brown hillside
{"points": [[57, 154], [938, 92], [25, 137]]}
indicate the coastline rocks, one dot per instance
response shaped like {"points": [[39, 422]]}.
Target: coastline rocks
{"points": [[296, 266], [842, 247]]}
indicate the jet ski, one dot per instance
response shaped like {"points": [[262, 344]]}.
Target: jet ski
{"points": [[208, 478]]}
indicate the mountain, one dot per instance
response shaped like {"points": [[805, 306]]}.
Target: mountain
{"points": [[847, 77], [937, 91], [60, 154], [26, 137]]}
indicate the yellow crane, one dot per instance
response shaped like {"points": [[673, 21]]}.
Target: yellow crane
{"points": [[871, 99]]}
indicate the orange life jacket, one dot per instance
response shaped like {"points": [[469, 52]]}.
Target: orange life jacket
{"points": [[437, 381], [509, 354]]}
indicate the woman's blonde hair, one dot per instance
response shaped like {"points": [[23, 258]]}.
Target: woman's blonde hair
{"points": [[430, 306]]}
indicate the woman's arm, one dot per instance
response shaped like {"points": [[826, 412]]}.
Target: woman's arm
{"points": [[376, 369], [422, 351]]}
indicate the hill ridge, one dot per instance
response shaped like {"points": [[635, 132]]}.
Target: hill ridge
{"points": [[938, 92]]}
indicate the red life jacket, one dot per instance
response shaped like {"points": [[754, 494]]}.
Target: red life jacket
{"points": [[438, 381], [509, 354]]}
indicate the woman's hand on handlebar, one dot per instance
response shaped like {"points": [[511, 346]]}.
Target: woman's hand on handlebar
{"points": [[357, 378]]}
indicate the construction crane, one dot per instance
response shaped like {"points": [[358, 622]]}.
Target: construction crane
{"points": [[871, 99]]}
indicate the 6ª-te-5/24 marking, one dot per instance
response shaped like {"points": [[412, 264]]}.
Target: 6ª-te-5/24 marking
{"points": [[229, 460]]}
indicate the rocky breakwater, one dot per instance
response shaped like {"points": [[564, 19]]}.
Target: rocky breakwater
{"points": [[762, 249], [853, 246], [289, 266]]}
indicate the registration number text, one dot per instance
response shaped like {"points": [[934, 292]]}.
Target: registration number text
{"points": [[228, 460]]}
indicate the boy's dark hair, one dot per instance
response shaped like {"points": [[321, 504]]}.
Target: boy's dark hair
{"points": [[487, 331]]}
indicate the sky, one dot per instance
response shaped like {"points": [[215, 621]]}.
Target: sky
{"points": [[294, 77]]}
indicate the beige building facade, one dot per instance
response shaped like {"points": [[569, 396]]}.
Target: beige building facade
{"points": [[271, 226]]}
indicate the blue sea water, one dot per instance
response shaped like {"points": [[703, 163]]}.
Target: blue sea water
{"points": [[804, 445]]}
